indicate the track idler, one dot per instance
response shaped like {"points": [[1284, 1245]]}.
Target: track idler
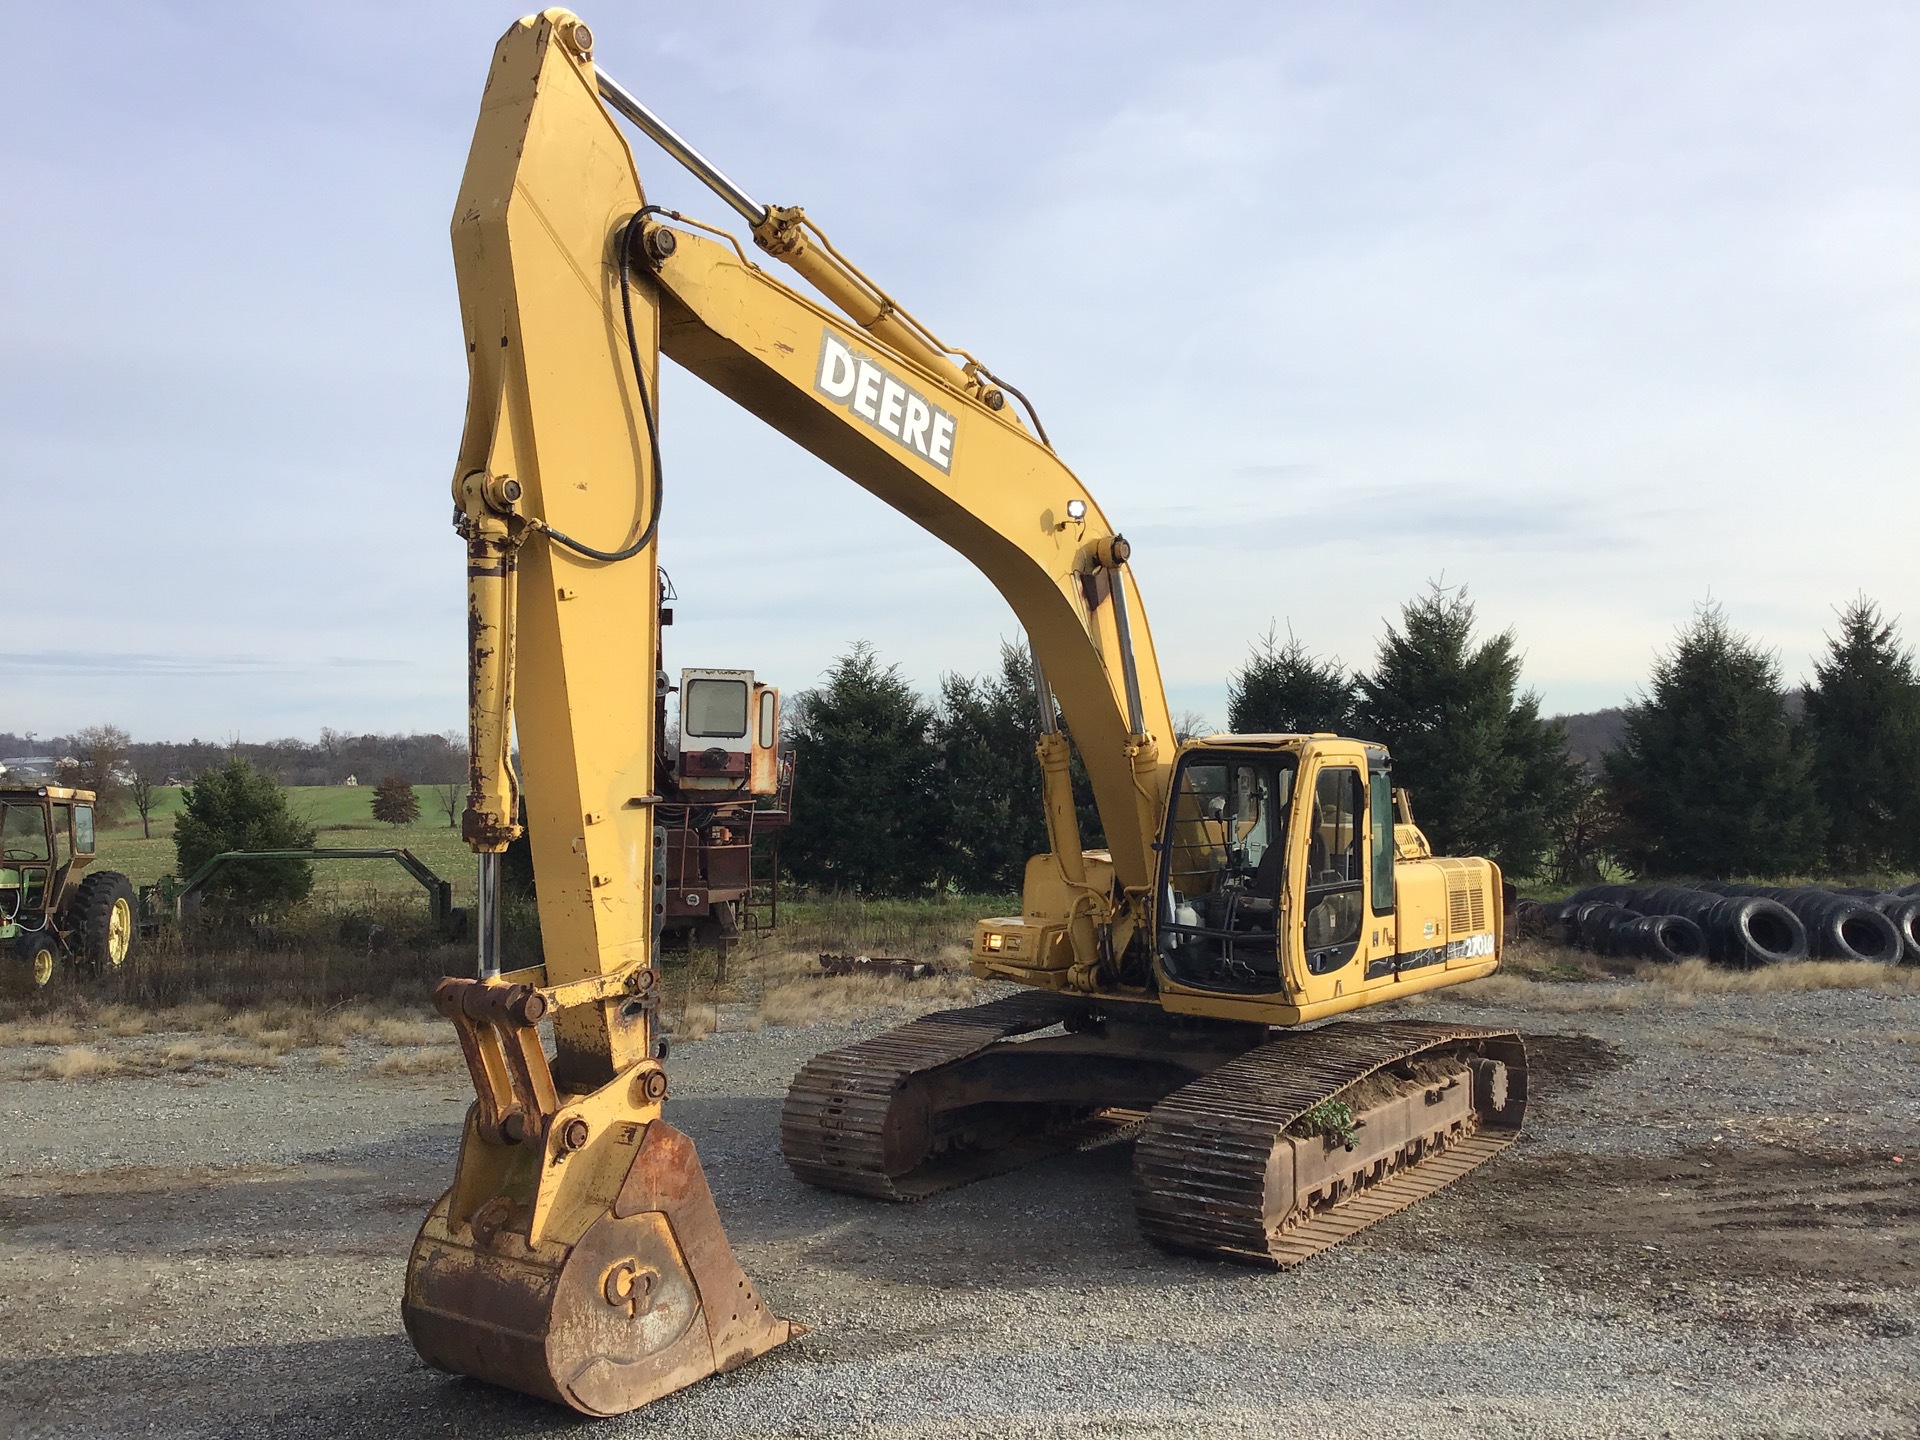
{"points": [[578, 1256]]}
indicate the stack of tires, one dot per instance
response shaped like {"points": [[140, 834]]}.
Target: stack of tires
{"points": [[1741, 926], [1847, 924], [1605, 925]]}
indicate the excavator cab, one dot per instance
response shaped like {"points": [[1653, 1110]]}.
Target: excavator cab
{"points": [[1223, 865]]}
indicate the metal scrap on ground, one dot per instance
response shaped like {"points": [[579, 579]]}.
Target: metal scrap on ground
{"points": [[838, 966]]}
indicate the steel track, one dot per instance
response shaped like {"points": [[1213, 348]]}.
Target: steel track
{"points": [[1201, 1164]]}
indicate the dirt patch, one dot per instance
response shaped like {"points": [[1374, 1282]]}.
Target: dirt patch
{"points": [[1570, 1062], [1757, 1220]]}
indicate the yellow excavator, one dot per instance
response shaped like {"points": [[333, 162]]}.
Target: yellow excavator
{"points": [[1168, 984]]}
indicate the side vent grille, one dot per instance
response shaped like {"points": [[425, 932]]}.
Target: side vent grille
{"points": [[1466, 897], [1459, 905]]}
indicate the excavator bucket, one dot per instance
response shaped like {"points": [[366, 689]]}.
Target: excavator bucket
{"points": [[644, 1299]]}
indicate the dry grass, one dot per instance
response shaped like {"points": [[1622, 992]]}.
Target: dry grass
{"points": [[1535, 959], [77, 1062], [912, 929], [181, 1039], [775, 970], [1531, 986], [697, 1021], [307, 962], [251, 1057], [192, 1054], [1696, 977], [1523, 993], [402, 1032], [39, 1032], [425, 1060], [827, 1002]]}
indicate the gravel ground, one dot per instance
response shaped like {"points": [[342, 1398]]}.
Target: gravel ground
{"points": [[1704, 1232]]}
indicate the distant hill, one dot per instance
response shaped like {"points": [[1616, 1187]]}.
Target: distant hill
{"points": [[1591, 735]]}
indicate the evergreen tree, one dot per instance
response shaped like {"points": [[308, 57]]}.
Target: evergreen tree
{"points": [[1282, 689], [868, 807], [1709, 779], [1488, 776], [394, 801], [236, 807], [1863, 722], [987, 729]]}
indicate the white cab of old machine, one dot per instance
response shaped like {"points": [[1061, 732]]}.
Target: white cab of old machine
{"points": [[729, 732]]}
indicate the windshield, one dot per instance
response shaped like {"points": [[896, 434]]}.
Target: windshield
{"points": [[23, 833], [714, 709], [1225, 849]]}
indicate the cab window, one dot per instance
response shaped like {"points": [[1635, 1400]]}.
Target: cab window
{"points": [[714, 709], [23, 833], [1336, 870], [83, 829], [1380, 792]]}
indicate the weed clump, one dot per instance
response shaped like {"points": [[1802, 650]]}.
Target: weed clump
{"points": [[78, 1062]]}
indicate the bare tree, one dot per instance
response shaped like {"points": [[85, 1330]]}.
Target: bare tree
{"points": [[144, 791], [1189, 724], [99, 763], [450, 790]]}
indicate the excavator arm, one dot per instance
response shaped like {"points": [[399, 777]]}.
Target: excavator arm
{"points": [[578, 1254]]}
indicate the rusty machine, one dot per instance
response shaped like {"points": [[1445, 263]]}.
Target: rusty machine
{"points": [[1172, 984], [724, 786]]}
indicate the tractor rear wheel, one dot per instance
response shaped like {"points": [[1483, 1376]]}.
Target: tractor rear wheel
{"points": [[103, 920]]}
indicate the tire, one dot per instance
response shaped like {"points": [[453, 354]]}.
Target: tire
{"points": [[1574, 922], [1904, 912], [1843, 928], [1599, 929], [1748, 931], [103, 920], [34, 963], [1839, 927], [1669, 939]]}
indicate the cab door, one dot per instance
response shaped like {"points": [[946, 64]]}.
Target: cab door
{"points": [[26, 845], [1333, 910], [1382, 901]]}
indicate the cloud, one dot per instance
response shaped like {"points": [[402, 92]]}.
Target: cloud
{"points": [[1594, 309], [134, 666]]}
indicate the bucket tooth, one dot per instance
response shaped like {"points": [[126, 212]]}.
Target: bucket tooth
{"points": [[644, 1300]]}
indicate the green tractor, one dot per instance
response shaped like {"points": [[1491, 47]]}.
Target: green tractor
{"points": [[49, 911]]}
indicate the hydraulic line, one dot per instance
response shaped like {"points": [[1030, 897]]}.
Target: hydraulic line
{"points": [[629, 233]]}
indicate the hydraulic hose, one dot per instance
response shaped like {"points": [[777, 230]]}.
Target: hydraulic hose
{"points": [[628, 233]]}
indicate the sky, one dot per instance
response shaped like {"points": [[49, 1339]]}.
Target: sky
{"points": [[1601, 311]]}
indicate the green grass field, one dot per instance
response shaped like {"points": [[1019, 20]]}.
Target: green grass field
{"points": [[343, 817]]}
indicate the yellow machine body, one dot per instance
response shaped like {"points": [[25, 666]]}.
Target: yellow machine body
{"points": [[1416, 922], [578, 1254]]}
